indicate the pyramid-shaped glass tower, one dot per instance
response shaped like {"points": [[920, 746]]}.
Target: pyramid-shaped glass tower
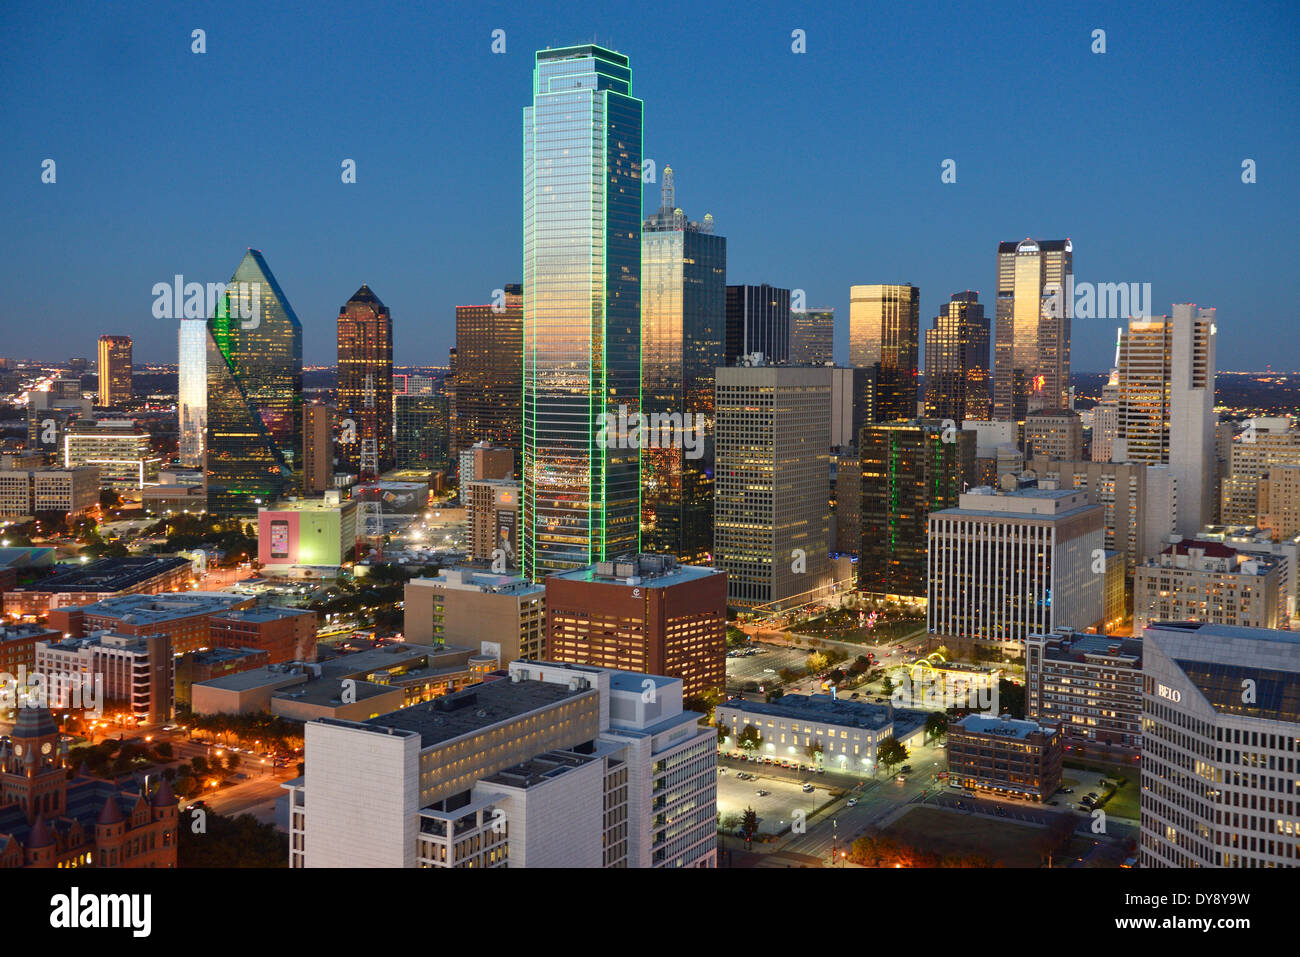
{"points": [[254, 426]]}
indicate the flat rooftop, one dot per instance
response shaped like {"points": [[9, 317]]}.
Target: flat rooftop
{"points": [[820, 707], [153, 609], [640, 578], [265, 613], [1001, 727], [481, 706], [107, 575], [539, 769], [1079, 645]]}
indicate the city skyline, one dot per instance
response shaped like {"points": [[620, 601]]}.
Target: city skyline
{"points": [[469, 191]]}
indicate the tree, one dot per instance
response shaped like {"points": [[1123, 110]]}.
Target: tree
{"points": [[1011, 698], [749, 823], [814, 750], [749, 738], [816, 663], [723, 733], [890, 753], [886, 686], [936, 725]]}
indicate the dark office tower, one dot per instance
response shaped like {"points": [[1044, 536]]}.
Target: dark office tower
{"points": [[758, 320], [488, 372], [365, 386], [884, 329], [422, 430], [114, 371], [908, 471], [1031, 350], [812, 337], [582, 310], [254, 425], [683, 308], [317, 448], [957, 361]]}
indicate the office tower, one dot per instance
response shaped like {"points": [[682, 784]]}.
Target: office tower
{"points": [[487, 376], [121, 450], [1166, 405], [482, 460], [50, 413], [1091, 685], [1055, 433], [1031, 349], [758, 321], [70, 492], [138, 671], [559, 766], [909, 469], [500, 614], [1279, 501], [772, 484], [582, 309], [365, 385], [192, 389], [683, 311], [1105, 420], [1139, 502], [317, 448], [1195, 580], [493, 517], [77, 366], [1263, 443], [957, 361], [114, 371], [642, 613], [1250, 541], [812, 340], [254, 428], [884, 328], [1218, 764], [848, 500], [1005, 565], [421, 430]]}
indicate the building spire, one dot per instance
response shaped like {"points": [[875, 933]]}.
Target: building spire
{"points": [[667, 196]]}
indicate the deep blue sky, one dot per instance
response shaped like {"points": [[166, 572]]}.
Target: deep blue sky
{"points": [[821, 169]]}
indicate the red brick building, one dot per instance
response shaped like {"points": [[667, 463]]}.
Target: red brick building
{"points": [[184, 617], [643, 613], [285, 634], [48, 821]]}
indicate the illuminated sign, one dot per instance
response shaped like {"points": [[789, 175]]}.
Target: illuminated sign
{"points": [[1173, 694]]}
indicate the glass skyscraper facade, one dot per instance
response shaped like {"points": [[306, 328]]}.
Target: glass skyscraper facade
{"points": [[192, 389], [957, 361], [884, 329], [582, 309], [812, 337], [1031, 350], [254, 365], [365, 385], [758, 320], [487, 373], [683, 310]]}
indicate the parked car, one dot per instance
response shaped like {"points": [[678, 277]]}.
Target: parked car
{"points": [[821, 770], [1067, 790]]}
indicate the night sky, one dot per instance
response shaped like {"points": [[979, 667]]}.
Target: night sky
{"points": [[822, 169]]}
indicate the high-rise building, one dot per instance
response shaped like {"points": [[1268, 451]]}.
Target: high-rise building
{"points": [[498, 614], [1005, 565], [493, 515], [121, 450], [482, 460], [1279, 501], [771, 515], [50, 413], [1031, 349], [1263, 443], [812, 340], [114, 371], [192, 390], [758, 321], [884, 329], [1105, 420], [559, 766], [582, 309], [909, 469], [642, 613], [317, 447], [365, 385], [1091, 685], [1166, 405], [254, 427], [848, 500], [1139, 502], [1196, 580], [421, 430], [489, 372], [683, 311], [957, 361], [1218, 763], [1054, 433]]}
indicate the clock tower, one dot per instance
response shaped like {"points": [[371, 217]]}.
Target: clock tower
{"points": [[33, 766]]}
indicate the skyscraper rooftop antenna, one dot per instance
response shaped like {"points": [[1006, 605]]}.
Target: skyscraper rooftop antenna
{"points": [[667, 195]]}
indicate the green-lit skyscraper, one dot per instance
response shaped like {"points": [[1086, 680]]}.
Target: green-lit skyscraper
{"points": [[254, 424], [582, 309], [683, 318]]}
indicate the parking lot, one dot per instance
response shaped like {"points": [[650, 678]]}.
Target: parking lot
{"points": [[776, 809], [741, 670]]}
